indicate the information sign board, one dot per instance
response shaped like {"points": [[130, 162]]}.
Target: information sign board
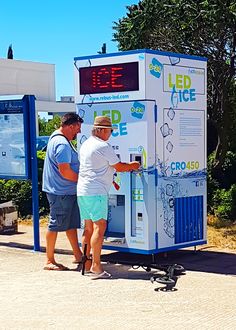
{"points": [[13, 140]]}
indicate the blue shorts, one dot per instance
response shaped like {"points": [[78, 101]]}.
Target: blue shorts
{"points": [[64, 212], [93, 207]]}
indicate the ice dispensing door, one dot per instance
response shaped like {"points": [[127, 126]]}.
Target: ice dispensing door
{"points": [[132, 207]]}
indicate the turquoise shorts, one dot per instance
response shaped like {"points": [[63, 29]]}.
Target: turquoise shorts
{"points": [[93, 207]]}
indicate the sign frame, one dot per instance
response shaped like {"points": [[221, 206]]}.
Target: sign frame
{"points": [[18, 106]]}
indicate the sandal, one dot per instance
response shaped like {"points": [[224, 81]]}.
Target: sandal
{"points": [[57, 267], [102, 275]]}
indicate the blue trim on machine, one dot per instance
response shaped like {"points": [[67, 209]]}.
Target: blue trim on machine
{"points": [[122, 249], [147, 252], [156, 239], [138, 51], [155, 113], [181, 246], [188, 219], [156, 177]]}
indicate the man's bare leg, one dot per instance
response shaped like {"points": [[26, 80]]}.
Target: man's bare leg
{"points": [[86, 237], [51, 237], [99, 228], [73, 239]]}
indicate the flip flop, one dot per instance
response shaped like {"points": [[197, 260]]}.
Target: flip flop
{"points": [[77, 262], [104, 275], [57, 267]]}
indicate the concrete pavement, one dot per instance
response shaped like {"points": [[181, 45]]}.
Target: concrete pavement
{"points": [[31, 298]]}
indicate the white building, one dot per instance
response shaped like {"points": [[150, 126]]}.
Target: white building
{"points": [[33, 78]]}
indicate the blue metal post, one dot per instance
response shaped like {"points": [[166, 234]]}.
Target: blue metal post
{"points": [[34, 170]]}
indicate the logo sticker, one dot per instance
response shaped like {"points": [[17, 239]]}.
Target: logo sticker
{"points": [[156, 68], [137, 110]]}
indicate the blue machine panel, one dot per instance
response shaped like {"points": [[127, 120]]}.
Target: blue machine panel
{"points": [[188, 219]]}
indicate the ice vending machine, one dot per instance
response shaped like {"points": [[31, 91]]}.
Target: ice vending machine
{"points": [[157, 100]]}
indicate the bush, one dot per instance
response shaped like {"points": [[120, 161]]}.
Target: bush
{"points": [[227, 175], [212, 185], [221, 196], [229, 170], [20, 192], [43, 202], [224, 203]]}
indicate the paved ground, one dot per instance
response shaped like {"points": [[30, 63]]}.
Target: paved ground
{"points": [[30, 298]]}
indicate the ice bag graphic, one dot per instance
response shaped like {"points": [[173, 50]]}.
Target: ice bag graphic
{"points": [[174, 60], [83, 139], [169, 146], [80, 112], [156, 68], [169, 189], [165, 130], [171, 113]]}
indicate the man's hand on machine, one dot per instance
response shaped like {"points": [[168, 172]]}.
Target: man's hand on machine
{"points": [[126, 167], [134, 166]]}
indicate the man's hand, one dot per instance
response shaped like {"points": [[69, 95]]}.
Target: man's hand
{"points": [[126, 167], [67, 173], [134, 165]]}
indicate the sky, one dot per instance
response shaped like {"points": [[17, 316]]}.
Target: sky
{"points": [[56, 31]]}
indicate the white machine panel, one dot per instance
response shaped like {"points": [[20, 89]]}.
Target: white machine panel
{"points": [[128, 224], [157, 101], [110, 79]]}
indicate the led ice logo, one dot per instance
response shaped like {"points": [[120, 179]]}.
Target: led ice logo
{"points": [[156, 68], [115, 116], [137, 110], [174, 98], [181, 89]]}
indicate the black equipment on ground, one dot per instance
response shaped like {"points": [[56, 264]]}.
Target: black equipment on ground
{"points": [[169, 278], [84, 259]]}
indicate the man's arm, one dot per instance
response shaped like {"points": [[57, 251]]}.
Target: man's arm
{"points": [[126, 167], [67, 173]]}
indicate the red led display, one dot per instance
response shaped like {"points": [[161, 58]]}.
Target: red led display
{"points": [[109, 78]]}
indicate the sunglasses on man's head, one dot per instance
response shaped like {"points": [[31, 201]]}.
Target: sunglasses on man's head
{"points": [[108, 128]]}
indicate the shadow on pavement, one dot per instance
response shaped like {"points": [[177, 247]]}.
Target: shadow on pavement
{"points": [[31, 247], [201, 261]]}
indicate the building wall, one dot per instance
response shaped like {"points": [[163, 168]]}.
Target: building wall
{"points": [[29, 78]]}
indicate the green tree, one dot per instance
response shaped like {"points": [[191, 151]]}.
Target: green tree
{"points": [[47, 127], [196, 27]]}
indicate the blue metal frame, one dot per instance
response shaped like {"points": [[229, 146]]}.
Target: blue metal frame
{"points": [[30, 99], [22, 110], [138, 51], [27, 104]]}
